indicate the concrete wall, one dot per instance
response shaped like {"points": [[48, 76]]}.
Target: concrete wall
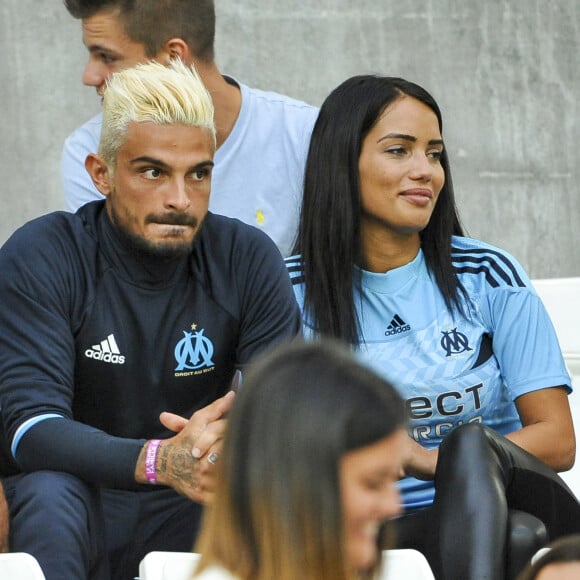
{"points": [[504, 73]]}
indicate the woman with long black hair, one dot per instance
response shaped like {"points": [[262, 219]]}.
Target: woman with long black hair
{"points": [[382, 264]]}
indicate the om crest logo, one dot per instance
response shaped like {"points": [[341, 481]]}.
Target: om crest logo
{"points": [[454, 342], [194, 351]]}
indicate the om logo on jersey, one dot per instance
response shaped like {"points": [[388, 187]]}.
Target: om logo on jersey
{"points": [[194, 351], [454, 342]]}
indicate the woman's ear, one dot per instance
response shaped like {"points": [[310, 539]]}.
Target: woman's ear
{"points": [[99, 172]]}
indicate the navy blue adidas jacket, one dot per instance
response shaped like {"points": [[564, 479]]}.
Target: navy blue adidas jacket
{"points": [[95, 342]]}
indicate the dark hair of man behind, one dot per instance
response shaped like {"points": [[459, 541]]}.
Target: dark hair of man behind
{"points": [[153, 22]]}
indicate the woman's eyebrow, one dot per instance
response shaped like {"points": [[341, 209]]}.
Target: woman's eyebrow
{"points": [[408, 138]]}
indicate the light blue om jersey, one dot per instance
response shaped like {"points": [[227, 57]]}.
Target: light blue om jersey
{"points": [[452, 368]]}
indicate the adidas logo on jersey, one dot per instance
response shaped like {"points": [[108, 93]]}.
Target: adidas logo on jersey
{"points": [[107, 351], [397, 326]]}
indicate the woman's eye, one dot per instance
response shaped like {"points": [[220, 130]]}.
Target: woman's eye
{"points": [[396, 150], [435, 155]]}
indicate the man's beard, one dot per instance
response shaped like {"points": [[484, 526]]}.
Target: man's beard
{"points": [[165, 251]]}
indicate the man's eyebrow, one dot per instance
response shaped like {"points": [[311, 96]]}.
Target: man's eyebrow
{"points": [[408, 138], [204, 164], [100, 48], [150, 160], [163, 165]]}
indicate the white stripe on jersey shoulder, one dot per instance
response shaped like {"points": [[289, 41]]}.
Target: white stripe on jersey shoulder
{"points": [[294, 267]]}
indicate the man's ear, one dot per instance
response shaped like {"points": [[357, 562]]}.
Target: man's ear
{"points": [[174, 48], [99, 172]]}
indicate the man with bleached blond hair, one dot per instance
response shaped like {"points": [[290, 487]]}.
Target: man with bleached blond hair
{"points": [[124, 326]]}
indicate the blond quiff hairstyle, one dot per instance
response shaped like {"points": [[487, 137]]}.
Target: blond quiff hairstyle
{"points": [[152, 92]]}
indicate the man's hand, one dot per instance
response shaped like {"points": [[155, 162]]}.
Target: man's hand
{"points": [[4, 521], [421, 462], [185, 462]]}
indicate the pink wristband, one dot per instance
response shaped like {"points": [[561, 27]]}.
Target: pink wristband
{"points": [[151, 460]]}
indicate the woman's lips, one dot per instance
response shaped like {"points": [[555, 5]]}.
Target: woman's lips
{"points": [[420, 197]]}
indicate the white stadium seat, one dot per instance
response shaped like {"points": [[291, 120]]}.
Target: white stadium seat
{"points": [[168, 566], [561, 296], [405, 564], [397, 564], [20, 566]]}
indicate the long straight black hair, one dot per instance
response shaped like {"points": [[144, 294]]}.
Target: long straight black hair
{"points": [[329, 234]]}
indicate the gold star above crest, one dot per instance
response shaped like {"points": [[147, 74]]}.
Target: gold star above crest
{"points": [[194, 326]]}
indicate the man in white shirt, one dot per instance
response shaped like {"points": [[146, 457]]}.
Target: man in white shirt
{"points": [[262, 137]]}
